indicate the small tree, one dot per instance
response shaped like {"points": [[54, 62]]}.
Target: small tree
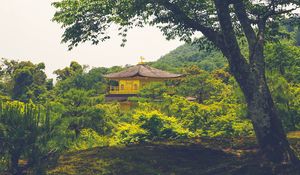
{"points": [[154, 90], [76, 102], [25, 132], [23, 80]]}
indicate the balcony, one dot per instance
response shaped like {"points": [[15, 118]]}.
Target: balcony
{"points": [[125, 90]]}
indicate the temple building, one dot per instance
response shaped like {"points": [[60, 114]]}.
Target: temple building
{"points": [[132, 79]]}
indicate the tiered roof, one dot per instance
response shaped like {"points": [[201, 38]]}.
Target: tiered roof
{"points": [[142, 70]]}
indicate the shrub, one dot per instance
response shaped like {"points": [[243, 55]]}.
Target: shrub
{"points": [[159, 125], [215, 119], [89, 139], [127, 133], [149, 126]]}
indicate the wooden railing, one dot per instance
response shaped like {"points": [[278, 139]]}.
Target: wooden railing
{"points": [[117, 90]]}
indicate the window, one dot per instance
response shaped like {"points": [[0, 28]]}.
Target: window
{"points": [[122, 86]]}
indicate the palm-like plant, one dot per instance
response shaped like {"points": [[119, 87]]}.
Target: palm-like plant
{"points": [[26, 130]]}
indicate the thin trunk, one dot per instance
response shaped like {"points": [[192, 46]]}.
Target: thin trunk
{"points": [[77, 132], [291, 116], [14, 164]]}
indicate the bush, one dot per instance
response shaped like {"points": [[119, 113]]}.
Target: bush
{"points": [[212, 120], [127, 133], [149, 126], [159, 125], [103, 117], [89, 139]]}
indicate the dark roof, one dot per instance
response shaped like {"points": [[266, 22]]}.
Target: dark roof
{"points": [[142, 70]]}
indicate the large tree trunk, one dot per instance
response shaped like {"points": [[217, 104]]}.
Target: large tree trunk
{"points": [[266, 122], [250, 74], [262, 111]]}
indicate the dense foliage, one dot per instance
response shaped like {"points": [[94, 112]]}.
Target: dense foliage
{"points": [[223, 24], [73, 113], [28, 132]]}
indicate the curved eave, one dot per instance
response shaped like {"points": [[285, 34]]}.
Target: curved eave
{"points": [[142, 71], [141, 77]]}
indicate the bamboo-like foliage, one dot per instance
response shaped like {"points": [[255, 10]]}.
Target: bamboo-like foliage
{"points": [[25, 132]]}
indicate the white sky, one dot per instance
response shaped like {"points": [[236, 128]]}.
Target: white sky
{"points": [[27, 33]]}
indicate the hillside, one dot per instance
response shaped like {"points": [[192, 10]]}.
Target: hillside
{"points": [[201, 157], [186, 55]]}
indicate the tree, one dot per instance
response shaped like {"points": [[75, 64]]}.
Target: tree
{"points": [[26, 131], [285, 95], [284, 58], [201, 85], [75, 68], [154, 90], [76, 103], [221, 22], [24, 80], [75, 77]]}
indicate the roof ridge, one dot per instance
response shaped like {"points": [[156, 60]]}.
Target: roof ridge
{"points": [[139, 65], [144, 71]]}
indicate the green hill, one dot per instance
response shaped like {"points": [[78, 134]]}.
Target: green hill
{"points": [[197, 157], [206, 59], [186, 55]]}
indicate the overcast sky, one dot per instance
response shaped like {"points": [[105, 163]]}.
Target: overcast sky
{"points": [[27, 33]]}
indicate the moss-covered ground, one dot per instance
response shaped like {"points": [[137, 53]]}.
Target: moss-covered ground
{"points": [[196, 157]]}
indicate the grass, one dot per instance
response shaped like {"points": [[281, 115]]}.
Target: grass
{"points": [[196, 157]]}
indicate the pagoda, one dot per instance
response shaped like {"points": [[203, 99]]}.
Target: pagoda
{"points": [[131, 80]]}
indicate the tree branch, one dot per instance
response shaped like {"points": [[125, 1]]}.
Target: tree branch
{"points": [[227, 28], [238, 64], [273, 12], [181, 16], [245, 22]]}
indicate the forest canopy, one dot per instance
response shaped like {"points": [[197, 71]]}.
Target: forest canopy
{"points": [[241, 81], [74, 112]]}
